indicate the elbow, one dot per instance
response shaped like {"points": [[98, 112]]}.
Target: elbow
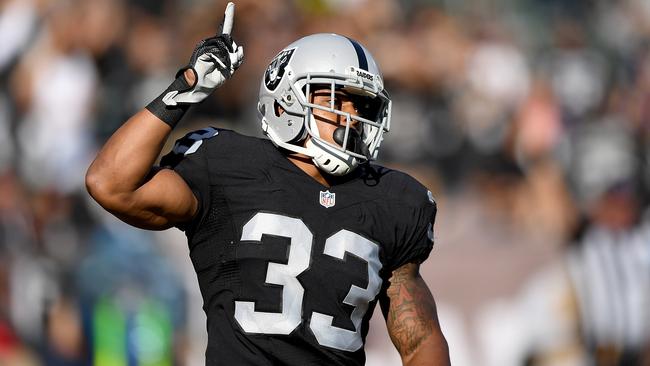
{"points": [[96, 186], [101, 189]]}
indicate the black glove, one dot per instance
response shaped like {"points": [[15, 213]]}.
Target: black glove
{"points": [[213, 61]]}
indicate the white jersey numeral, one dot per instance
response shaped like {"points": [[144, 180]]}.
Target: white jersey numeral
{"points": [[279, 274], [321, 324], [289, 318]]}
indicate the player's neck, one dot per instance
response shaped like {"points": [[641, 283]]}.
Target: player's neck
{"points": [[307, 165]]}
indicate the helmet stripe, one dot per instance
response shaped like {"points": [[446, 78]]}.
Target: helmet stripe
{"points": [[361, 55]]}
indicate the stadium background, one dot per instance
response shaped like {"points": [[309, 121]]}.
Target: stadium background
{"points": [[529, 120]]}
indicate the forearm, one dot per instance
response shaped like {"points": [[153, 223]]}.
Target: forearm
{"points": [[415, 329], [126, 159], [412, 320], [429, 353]]}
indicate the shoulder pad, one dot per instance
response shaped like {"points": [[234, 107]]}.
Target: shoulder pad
{"points": [[403, 187]]}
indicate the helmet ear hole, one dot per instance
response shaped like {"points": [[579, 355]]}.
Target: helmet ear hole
{"points": [[277, 109]]}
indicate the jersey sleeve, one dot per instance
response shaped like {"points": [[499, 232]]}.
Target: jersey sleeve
{"points": [[188, 158], [415, 235]]}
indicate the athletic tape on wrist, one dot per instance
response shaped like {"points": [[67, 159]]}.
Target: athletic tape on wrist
{"points": [[171, 115]]}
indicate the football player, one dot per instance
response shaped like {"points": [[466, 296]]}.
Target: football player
{"points": [[294, 238]]}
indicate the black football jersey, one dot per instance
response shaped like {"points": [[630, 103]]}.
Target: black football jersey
{"points": [[290, 270]]}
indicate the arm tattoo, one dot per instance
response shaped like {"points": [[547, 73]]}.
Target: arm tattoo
{"points": [[411, 316]]}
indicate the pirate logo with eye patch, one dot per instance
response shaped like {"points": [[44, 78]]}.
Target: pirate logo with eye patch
{"points": [[275, 71]]}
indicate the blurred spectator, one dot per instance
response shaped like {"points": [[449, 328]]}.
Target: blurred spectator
{"points": [[610, 264], [18, 22], [498, 81], [55, 84], [597, 294], [577, 72]]}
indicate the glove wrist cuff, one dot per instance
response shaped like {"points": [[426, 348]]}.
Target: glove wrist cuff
{"points": [[170, 114]]}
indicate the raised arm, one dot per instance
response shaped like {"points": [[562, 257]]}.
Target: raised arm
{"points": [[412, 320], [122, 178], [123, 181]]}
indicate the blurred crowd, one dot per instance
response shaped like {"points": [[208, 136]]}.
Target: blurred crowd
{"points": [[529, 120]]}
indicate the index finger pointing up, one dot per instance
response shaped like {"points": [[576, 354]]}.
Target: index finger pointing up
{"points": [[228, 17]]}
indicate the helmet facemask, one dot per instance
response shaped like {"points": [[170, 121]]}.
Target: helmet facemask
{"points": [[357, 138]]}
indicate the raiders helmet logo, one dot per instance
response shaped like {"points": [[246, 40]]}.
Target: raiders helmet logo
{"points": [[275, 71]]}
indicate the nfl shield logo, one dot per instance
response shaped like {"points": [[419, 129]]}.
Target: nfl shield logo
{"points": [[327, 199]]}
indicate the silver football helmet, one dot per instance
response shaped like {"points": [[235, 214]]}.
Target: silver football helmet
{"points": [[335, 62]]}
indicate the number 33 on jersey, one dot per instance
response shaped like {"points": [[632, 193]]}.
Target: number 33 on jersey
{"points": [[293, 292], [279, 272]]}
